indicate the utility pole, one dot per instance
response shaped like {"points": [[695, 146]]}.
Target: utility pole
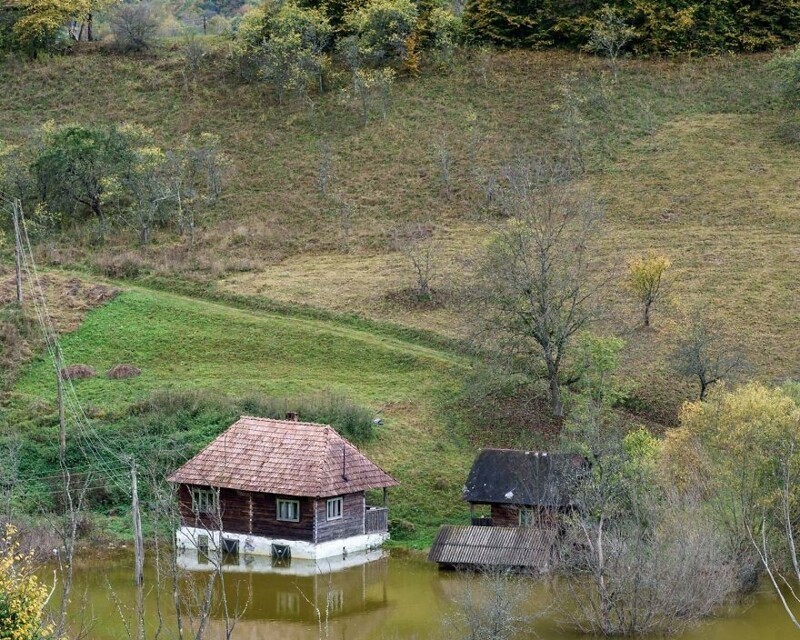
{"points": [[16, 207], [138, 541]]}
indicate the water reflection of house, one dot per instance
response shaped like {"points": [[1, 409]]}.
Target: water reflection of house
{"points": [[285, 606], [525, 493], [281, 488]]}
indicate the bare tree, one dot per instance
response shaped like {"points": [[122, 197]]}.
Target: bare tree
{"points": [[703, 353], [445, 158], [134, 26], [417, 243], [325, 169], [534, 291], [492, 606], [609, 36]]}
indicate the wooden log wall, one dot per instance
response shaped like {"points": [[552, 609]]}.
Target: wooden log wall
{"points": [[350, 524], [250, 513]]}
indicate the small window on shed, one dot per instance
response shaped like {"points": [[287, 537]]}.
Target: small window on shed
{"points": [[527, 517], [334, 508], [288, 510], [204, 501]]}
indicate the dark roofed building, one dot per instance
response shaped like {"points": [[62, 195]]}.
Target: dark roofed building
{"points": [[281, 487], [522, 486], [526, 491]]}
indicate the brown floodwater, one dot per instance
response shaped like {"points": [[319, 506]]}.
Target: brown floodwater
{"points": [[391, 597]]}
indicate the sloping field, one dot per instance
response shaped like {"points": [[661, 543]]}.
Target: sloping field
{"points": [[688, 156]]}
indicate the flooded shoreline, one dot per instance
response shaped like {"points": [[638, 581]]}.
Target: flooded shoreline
{"points": [[396, 596]]}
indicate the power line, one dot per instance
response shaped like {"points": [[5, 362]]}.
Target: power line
{"points": [[90, 442]]}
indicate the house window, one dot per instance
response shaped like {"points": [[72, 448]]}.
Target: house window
{"points": [[289, 510], [335, 601], [204, 501], [527, 517], [288, 603], [334, 508]]}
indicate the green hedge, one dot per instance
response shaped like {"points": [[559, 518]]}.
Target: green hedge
{"points": [[660, 26]]}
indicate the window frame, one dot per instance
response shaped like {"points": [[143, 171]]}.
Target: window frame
{"points": [[204, 501], [296, 504], [339, 500]]}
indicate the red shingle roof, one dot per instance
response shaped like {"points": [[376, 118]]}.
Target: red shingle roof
{"points": [[283, 457]]}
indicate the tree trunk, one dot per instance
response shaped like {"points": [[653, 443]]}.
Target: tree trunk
{"points": [[556, 406], [647, 314], [89, 32]]}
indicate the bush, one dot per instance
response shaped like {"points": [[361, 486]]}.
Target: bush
{"points": [[786, 69], [383, 29]]}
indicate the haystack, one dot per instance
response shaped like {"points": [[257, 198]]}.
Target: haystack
{"points": [[77, 371], [123, 371]]}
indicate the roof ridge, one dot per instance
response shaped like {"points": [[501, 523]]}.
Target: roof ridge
{"points": [[324, 458], [284, 421]]}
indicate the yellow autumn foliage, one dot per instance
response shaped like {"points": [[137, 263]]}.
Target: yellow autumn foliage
{"points": [[645, 279], [22, 595], [736, 437]]}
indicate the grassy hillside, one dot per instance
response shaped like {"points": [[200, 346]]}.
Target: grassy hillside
{"points": [[689, 157], [183, 344]]}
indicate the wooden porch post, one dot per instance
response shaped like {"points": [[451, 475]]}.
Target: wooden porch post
{"points": [[385, 496]]}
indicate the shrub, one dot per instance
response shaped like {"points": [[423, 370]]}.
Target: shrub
{"points": [[786, 69], [382, 29]]}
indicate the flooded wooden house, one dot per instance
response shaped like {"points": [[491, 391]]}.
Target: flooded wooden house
{"points": [[281, 488], [522, 495]]}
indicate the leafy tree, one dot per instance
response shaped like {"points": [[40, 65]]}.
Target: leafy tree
{"points": [[145, 182], [597, 362], [645, 281], [382, 29], [742, 449], [291, 44], [533, 290], [75, 166], [652, 560], [43, 20], [22, 596]]}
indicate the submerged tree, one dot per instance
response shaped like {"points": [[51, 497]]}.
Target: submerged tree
{"points": [[534, 290], [741, 449], [653, 559]]}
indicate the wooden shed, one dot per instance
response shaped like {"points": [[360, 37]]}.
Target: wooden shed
{"points": [[526, 492], [282, 488], [522, 488]]}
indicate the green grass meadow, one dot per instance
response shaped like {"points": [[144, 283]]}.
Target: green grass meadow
{"points": [[182, 344]]}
